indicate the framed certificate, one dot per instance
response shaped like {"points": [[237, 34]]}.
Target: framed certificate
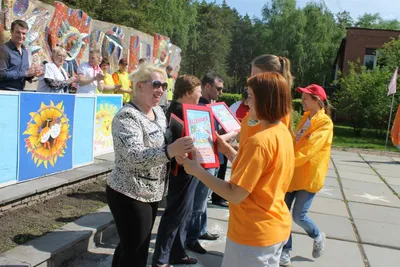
{"points": [[199, 124], [177, 127], [225, 117]]}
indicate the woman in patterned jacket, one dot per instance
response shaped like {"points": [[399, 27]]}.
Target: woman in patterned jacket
{"points": [[138, 181]]}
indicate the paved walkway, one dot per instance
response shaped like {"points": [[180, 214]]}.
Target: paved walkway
{"points": [[358, 209]]}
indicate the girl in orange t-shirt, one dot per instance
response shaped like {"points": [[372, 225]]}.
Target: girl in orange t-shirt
{"points": [[259, 222], [266, 63]]}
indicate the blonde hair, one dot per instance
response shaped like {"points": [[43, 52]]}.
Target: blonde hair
{"points": [[143, 73], [58, 50], [272, 63]]}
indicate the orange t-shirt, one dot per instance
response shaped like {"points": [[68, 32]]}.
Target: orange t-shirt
{"points": [[263, 167], [248, 131]]}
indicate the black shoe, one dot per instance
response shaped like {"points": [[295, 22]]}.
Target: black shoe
{"points": [[196, 247], [185, 260], [209, 236], [221, 203]]}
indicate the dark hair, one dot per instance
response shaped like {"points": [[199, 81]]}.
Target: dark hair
{"points": [[169, 68], [20, 23], [272, 63], [323, 104], [185, 84], [142, 60], [272, 96], [104, 61], [210, 78]]}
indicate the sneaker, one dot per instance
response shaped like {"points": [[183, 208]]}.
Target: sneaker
{"points": [[319, 246], [285, 258]]}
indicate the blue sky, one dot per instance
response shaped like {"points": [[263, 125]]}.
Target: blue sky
{"points": [[389, 9]]}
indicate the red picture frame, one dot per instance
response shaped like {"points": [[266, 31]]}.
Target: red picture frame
{"points": [[199, 124], [175, 123], [234, 122]]}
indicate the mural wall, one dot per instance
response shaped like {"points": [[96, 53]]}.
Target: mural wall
{"points": [[77, 32]]}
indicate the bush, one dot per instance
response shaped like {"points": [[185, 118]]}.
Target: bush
{"points": [[229, 99], [295, 118], [297, 106]]}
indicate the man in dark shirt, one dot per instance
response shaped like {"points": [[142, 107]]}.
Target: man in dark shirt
{"points": [[14, 63]]}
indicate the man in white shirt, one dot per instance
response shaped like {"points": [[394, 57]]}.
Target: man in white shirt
{"points": [[89, 73]]}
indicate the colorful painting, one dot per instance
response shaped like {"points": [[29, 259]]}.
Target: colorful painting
{"points": [[85, 106], [199, 125], [46, 127], [70, 28], [161, 50], [134, 50], [106, 108], [9, 145], [225, 117]]}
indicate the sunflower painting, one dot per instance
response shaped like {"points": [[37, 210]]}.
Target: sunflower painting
{"points": [[46, 136], [107, 107]]}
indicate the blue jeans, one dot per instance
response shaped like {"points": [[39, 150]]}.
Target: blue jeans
{"points": [[198, 223], [302, 203]]}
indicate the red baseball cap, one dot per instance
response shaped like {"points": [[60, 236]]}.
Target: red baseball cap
{"points": [[313, 89]]}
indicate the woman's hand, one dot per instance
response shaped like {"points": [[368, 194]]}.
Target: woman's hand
{"points": [[192, 167], [72, 80], [225, 148], [229, 137], [181, 146], [222, 144], [117, 87]]}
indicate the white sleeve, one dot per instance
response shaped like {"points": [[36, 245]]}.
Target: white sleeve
{"points": [[49, 72]]}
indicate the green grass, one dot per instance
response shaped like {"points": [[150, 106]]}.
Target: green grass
{"points": [[369, 139]]}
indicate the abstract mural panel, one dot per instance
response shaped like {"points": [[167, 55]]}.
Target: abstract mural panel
{"points": [[134, 50], [69, 28], [161, 50]]}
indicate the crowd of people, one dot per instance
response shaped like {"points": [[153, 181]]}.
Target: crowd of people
{"points": [[275, 169], [91, 77]]}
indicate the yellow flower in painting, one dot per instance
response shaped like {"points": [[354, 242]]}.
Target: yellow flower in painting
{"points": [[104, 117], [48, 131]]}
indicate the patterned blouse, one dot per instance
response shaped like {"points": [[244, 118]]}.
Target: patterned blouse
{"points": [[141, 162]]}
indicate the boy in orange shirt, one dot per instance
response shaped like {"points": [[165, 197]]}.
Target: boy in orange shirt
{"points": [[259, 222]]}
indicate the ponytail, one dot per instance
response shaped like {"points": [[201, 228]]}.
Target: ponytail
{"points": [[328, 108], [272, 63], [285, 70]]}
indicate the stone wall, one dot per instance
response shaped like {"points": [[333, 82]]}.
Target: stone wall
{"points": [[52, 25]]}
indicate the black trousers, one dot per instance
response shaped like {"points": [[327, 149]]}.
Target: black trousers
{"points": [[172, 231], [134, 221], [221, 175]]}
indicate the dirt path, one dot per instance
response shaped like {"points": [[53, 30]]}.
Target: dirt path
{"points": [[24, 224]]}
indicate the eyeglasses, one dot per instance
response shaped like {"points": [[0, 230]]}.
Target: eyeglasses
{"points": [[157, 84], [218, 88]]}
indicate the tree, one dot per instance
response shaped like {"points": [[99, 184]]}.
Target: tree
{"points": [[375, 21], [344, 19], [363, 97], [389, 55], [212, 41], [310, 43]]}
